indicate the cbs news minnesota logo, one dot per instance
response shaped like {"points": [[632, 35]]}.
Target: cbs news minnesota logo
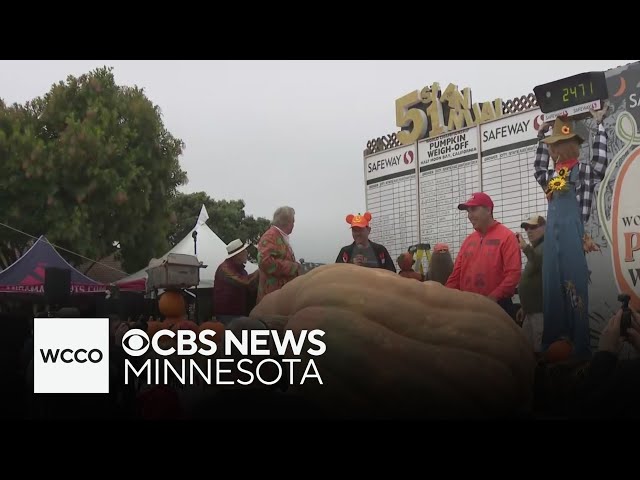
{"points": [[71, 355]]}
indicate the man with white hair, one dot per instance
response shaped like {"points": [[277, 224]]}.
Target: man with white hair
{"points": [[276, 260]]}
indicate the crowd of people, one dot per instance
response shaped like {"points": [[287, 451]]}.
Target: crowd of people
{"points": [[553, 307], [552, 287]]}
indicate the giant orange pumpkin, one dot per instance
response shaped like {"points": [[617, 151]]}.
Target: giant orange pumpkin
{"points": [[171, 304], [404, 349]]}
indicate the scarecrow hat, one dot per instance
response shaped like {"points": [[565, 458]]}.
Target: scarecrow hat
{"points": [[563, 129]]}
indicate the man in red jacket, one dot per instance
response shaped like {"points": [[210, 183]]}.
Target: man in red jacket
{"points": [[489, 261]]}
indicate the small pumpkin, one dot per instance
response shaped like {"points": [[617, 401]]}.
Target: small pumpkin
{"points": [[153, 327], [171, 304], [404, 349], [558, 351], [217, 327], [171, 323], [188, 325]]}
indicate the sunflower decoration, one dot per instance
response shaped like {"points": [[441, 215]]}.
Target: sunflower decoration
{"points": [[563, 172], [566, 130], [557, 184]]}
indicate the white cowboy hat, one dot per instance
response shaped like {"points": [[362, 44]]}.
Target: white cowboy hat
{"points": [[235, 247]]}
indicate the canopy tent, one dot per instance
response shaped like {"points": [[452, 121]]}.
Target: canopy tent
{"points": [[211, 251], [26, 275]]}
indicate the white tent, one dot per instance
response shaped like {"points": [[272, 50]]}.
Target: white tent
{"points": [[211, 251]]}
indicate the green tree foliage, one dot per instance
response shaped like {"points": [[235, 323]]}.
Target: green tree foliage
{"points": [[226, 218], [88, 164]]}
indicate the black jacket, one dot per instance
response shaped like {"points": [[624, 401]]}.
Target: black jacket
{"points": [[382, 255]]}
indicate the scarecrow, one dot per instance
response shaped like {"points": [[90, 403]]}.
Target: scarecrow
{"points": [[569, 185]]}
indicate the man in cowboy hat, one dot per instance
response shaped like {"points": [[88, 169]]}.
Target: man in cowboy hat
{"points": [[232, 284]]}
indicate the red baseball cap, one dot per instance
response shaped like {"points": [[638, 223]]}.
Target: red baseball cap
{"points": [[478, 199]]}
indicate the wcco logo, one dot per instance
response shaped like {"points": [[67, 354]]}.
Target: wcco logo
{"points": [[71, 355], [81, 355]]}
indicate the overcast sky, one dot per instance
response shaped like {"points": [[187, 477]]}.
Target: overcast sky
{"points": [[290, 132]]}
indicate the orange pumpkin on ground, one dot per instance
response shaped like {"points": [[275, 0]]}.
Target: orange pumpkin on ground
{"points": [[172, 304], [217, 327], [558, 351], [398, 349], [171, 323], [188, 325], [153, 327]]}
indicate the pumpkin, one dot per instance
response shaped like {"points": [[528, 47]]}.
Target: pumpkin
{"points": [[217, 327], [558, 351], [403, 349], [171, 304], [188, 325], [153, 327], [171, 323]]}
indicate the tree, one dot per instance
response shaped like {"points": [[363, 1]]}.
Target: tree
{"points": [[226, 218], [89, 164]]}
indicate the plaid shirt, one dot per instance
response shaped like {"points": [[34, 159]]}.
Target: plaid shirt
{"points": [[589, 174]]}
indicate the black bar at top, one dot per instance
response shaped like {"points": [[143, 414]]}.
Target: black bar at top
{"points": [[391, 176], [506, 148]]}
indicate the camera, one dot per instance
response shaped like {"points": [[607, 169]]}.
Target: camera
{"points": [[625, 321]]}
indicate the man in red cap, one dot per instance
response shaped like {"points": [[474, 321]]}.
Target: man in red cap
{"points": [[363, 251], [489, 261]]}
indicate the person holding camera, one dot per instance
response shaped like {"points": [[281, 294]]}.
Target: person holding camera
{"points": [[612, 386]]}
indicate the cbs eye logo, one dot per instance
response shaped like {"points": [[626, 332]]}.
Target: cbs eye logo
{"points": [[133, 342]]}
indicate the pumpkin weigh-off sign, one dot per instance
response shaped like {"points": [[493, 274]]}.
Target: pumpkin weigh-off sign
{"points": [[626, 229], [622, 225]]}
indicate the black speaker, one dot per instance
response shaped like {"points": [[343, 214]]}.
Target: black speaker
{"points": [[57, 286]]}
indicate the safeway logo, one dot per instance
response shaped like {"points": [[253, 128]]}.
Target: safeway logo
{"points": [[71, 355], [408, 157]]}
